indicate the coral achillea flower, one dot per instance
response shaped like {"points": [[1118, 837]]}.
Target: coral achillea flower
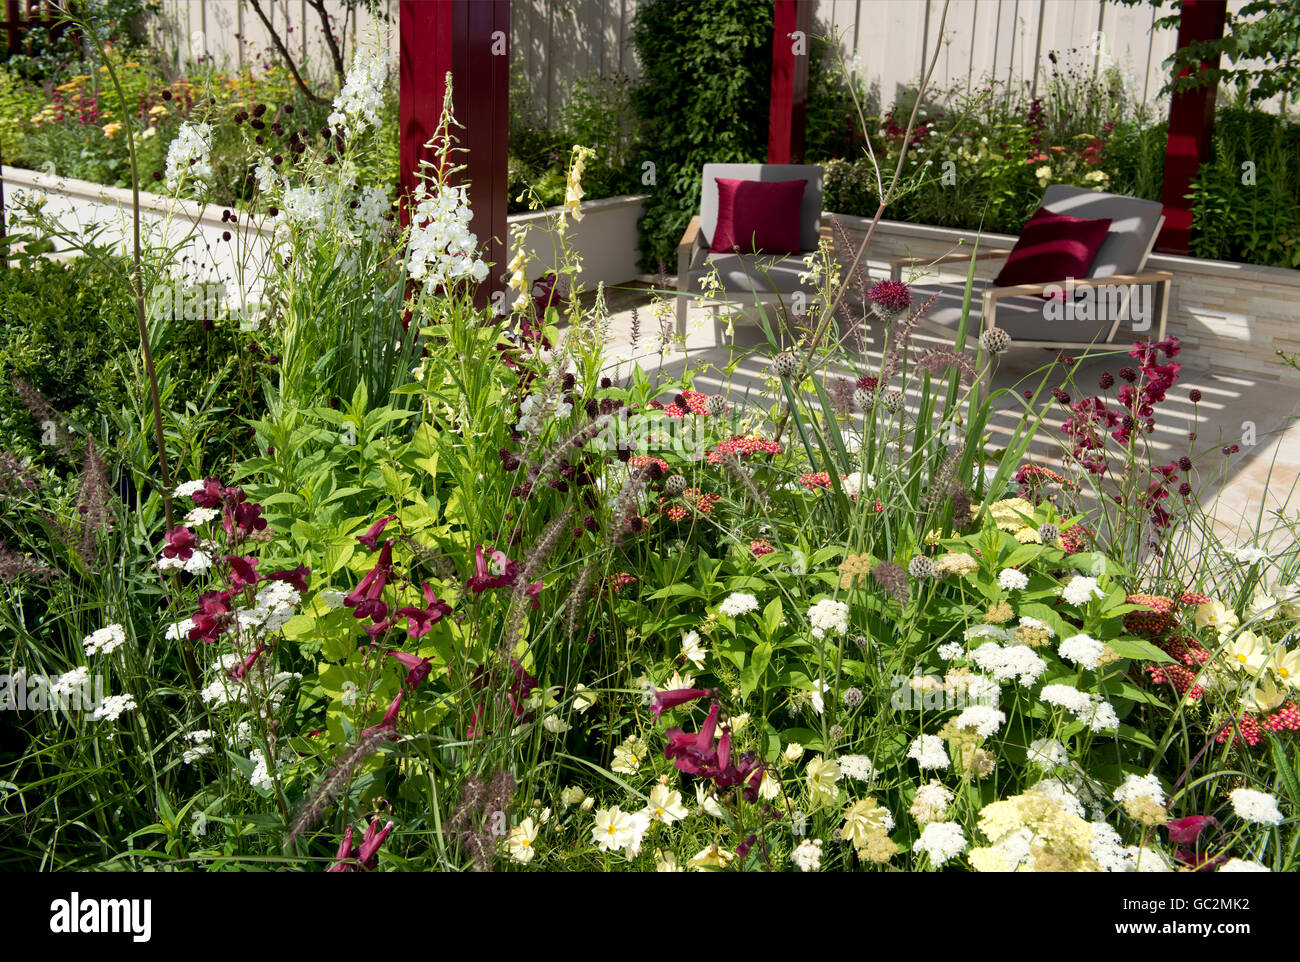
{"points": [[676, 510], [688, 402], [618, 582], [641, 460], [759, 547], [742, 446], [1156, 621], [813, 481]]}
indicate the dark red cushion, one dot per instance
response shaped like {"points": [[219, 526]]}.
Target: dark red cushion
{"points": [[758, 217], [1053, 247]]}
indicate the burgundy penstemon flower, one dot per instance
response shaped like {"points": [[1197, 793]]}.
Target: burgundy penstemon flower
{"points": [[673, 697], [389, 721], [245, 517], [365, 598], [367, 856], [243, 571], [210, 495], [501, 573], [420, 620], [180, 543], [343, 857], [213, 616], [516, 695], [297, 577], [240, 671], [372, 534], [417, 668], [1186, 833]]}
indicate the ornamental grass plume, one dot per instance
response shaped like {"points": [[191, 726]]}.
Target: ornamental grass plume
{"points": [[482, 806], [336, 781]]}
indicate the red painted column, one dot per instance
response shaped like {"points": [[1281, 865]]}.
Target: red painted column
{"points": [[471, 40], [1191, 123], [789, 99]]}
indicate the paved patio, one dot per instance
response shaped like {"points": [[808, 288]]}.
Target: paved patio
{"points": [[1240, 493]]}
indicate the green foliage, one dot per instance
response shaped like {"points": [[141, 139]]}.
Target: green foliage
{"points": [[1246, 200], [701, 62]]}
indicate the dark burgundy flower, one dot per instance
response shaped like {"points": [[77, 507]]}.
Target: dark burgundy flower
{"points": [[492, 570], [240, 671], [420, 620], [368, 854], [210, 495], [243, 571], [1185, 831], [417, 668], [1194, 395], [293, 576], [180, 543], [371, 537], [389, 721], [677, 696]]}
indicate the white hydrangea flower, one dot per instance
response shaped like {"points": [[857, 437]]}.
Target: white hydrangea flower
{"points": [[1047, 753]]}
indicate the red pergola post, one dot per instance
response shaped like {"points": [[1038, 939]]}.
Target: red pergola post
{"points": [[1191, 123], [471, 40], [788, 108]]}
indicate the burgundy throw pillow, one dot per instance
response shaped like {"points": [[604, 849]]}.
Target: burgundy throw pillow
{"points": [[1053, 247], [758, 217]]}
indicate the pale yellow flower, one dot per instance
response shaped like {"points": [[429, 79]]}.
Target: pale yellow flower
{"points": [[519, 843], [1214, 614], [1247, 652], [1264, 696], [711, 858], [821, 776], [666, 805], [1286, 665]]}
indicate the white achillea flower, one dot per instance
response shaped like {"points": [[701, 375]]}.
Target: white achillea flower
{"points": [[442, 248], [1047, 753], [1138, 787], [941, 841], [1253, 806], [931, 802], [1099, 716], [987, 631], [1009, 579], [112, 706], [198, 516], [188, 489], [738, 603], [188, 161], [1014, 661], [358, 103], [1081, 590], [179, 630], [984, 719], [828, 615], [928, 751], [1027, 622], [952, 650], [857, 767], [808, 855], [69, 683], [1065, 696], [1241, 865], [1082, 650], [261, 774], [855, 482], [1108, 849], [105, 641], [197, 563]]}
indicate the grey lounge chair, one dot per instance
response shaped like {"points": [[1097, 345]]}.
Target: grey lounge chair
{"points": [[764, 275], [1023, 313]]}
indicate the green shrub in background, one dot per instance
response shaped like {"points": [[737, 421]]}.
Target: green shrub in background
{"points": [[68, 329], [703, 99], [1247, 199]]}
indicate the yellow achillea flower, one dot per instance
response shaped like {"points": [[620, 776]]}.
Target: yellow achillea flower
{"points": [[1033, 832], [1007, 513], [956, 562]]}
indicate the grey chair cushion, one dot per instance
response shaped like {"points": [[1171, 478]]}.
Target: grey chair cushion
{"points": [[1024, 318], [1133, 225], [757, 273], [810, 214]]}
